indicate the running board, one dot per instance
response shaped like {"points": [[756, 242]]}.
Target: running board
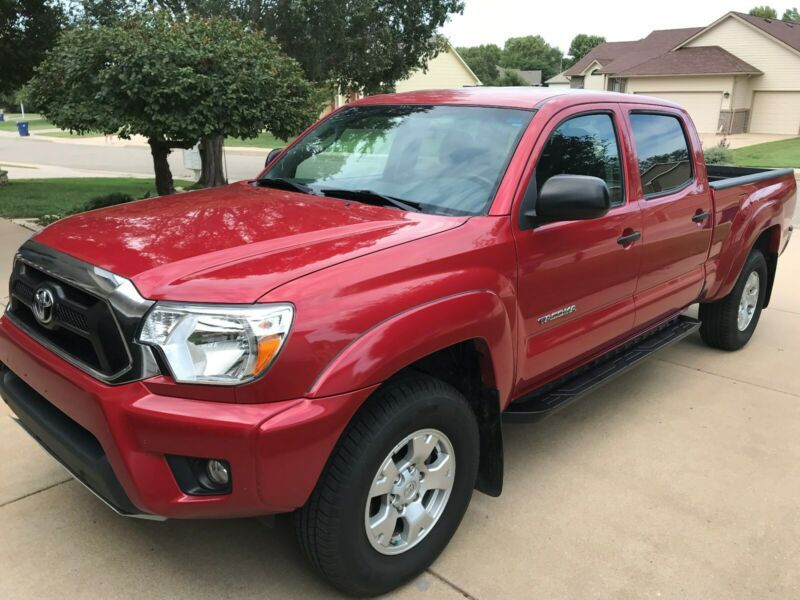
{"points": [[542, 402]]}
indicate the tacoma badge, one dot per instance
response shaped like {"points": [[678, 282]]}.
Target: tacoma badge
{"points": [[561, 312]]}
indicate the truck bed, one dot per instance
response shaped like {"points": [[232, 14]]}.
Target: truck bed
{"points": [[722, 177]]}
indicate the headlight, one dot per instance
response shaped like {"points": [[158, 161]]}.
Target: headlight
{"points": [[224, 345]]}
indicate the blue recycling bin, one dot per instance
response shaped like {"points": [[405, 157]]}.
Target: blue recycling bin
{"points": [[2, 117], [22, 127]]}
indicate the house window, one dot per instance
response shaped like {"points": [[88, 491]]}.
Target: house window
{"points": [[662, 151], [616, 85]]}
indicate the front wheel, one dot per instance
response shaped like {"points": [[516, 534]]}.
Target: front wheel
{"points": [[729, 323], [395, 489]]}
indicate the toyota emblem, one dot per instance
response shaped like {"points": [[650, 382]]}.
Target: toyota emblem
{"points": [[43, 302]]}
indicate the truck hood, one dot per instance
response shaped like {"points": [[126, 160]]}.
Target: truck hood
{"points": [[232, 244]]}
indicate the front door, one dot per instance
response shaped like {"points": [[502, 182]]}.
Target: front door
{"points": [[677, 213], [577, 278]]}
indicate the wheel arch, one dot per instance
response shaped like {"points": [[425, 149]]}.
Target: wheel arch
{"points": [[467, 343], [768, 241], [478, 317]]}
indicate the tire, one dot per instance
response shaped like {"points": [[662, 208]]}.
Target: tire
{"points": [[721, 325], [332, 526]]}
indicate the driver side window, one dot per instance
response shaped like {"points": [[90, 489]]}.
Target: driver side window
{"points": [[584, 145]]}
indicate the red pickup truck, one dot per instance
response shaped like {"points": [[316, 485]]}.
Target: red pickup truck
{"points": [[340, 337]]}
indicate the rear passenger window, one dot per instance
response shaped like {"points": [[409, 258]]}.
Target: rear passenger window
{"points": [[583, 145], [663, 152]]}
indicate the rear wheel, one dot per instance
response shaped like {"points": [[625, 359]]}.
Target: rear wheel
{"points": [[729, 323], [395, 489]]}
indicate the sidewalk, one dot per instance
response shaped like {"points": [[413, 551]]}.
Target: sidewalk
{"points": [[29, 171], [113, 141]]}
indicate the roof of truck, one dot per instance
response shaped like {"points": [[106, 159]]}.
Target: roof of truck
{"points": [[509, 97]]}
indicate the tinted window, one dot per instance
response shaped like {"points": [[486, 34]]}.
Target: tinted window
{"points": [[450, 159], [584, 145], [663, 152]]}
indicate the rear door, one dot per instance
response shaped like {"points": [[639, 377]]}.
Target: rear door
{"points": [[576, 278], [677, 211]]}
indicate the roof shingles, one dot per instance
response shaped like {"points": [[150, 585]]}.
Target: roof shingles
{"points": [[699, 60], [652, 56]]}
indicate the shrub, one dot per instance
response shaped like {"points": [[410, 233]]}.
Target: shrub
{"points": [[718, 155], [94, 203], [107, 200]]}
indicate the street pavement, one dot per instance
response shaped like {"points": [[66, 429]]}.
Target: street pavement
{"points": [[67, 158], [677, 480]]}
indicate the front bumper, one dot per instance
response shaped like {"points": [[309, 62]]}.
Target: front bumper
{"points": [[115, 439]]}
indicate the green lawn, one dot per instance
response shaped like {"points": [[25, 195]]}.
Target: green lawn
{"points": [[33, 198], [784, 153], [264, 140], [34, 122]]}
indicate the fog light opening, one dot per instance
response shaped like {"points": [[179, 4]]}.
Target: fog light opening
{"points": [[218, 472]]}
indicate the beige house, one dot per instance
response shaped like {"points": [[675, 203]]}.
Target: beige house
{"points": [[740, 73], [446, 71], [558, 81]]}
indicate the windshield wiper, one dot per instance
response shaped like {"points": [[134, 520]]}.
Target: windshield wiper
{"points": [[281, 183], [370, 197]]}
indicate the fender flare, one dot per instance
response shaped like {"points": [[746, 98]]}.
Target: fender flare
{"points": [[733, 256], [402, 339]]}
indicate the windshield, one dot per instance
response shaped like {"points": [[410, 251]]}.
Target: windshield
{"points": [[438, 159]]}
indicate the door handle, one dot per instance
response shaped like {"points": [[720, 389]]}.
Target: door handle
{"points": [[700, 216], [628, 239]]}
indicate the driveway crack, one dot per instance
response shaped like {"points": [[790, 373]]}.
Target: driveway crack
{"points": [[44, 489], [449, 583]]}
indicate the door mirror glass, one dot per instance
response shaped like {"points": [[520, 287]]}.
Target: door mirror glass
{"points": [[272, 154], [572, 198]]}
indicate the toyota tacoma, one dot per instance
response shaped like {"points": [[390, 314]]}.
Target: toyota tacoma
{"points": [[342, 337]]}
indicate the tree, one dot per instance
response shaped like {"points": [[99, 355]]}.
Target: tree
{"points": [[28, 28], [483, 60], [358, 45], [510, 77], [791, 15], [582, 44], [531, 52], [173, 81], [764, 11], [354, 46]]}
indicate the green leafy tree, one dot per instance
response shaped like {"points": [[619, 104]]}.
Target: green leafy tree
{"points": [[173, 81], [483, 60], [364, 45], [764, 11], [531, 52], [358, 45], [582, 44], [510, 77], [791, 15], [28, 28]]}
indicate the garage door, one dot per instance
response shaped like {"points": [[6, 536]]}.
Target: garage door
{"points": [[703, 107], [775, 112]]}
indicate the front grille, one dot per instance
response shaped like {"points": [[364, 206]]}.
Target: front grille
{"points": [[80, 325]]}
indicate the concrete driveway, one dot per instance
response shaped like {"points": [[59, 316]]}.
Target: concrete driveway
{"points": [[679, 480]]}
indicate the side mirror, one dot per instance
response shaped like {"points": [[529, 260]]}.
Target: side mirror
{"points": [[272, 154], [572, 198]]}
